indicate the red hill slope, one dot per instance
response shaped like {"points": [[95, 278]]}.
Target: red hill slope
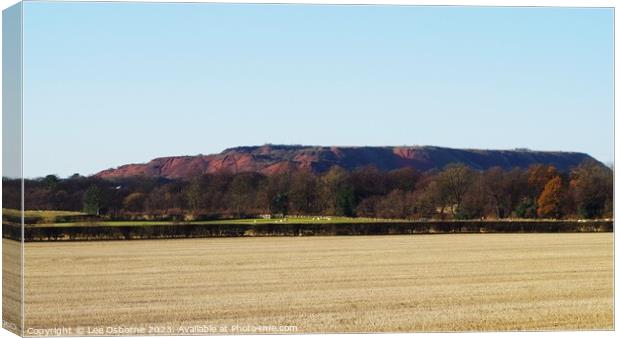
{"points": [[273, 159]]}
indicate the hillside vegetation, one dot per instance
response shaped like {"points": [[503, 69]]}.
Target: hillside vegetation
{"points": [[456, 192]]}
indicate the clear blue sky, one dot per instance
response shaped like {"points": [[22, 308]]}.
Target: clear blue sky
{"points": [[107, 84]]}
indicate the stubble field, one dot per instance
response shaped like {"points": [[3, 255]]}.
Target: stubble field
{"points": [[458, 282]]}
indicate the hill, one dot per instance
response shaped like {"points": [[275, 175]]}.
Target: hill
{"points": [[274, 159]]}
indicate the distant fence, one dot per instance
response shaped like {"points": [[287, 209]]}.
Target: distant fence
{"points": [[146, 231]]}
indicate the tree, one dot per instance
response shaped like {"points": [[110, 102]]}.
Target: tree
{"points": [[393, 205], [242, 192], [92, 200], [275, 193], [367, 181], [170, 195], [456, 191], [338, 193], [345, 201], [453, 182], [304, 192], [51, 181], [550, 202], [428, 198], [60, 199], [195, 194], [515, 189], [12, 193], [279, 205], [526, 208], [368, 207], [498, 189], [404, 179], [538, 175], [591, 186], [215, 188], [475, 200], [134, 202]]}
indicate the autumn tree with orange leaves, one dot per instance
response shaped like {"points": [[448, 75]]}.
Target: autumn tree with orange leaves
{"points": [[551, 199]]}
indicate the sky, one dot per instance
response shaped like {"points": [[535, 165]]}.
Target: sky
{"points": [[107, 84]]}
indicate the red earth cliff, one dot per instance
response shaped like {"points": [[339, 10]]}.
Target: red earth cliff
{"points": [[275, 159]]}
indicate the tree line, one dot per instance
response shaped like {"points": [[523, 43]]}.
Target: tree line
{"points": [[455, 192]]}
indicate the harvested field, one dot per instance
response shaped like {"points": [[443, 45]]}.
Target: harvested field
{"points": [[452, 282], [11, 285]]}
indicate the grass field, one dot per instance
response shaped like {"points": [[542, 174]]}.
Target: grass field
{"points": [[49, 218], [41, 213], [325, 284], [46, 216]]}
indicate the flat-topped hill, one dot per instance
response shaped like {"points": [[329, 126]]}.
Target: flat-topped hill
{"points": [[274, 159]]}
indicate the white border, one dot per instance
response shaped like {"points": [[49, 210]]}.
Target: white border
{"points": [[496, 3]]}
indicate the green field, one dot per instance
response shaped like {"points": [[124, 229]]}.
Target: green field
{"points": [[41, 216], [45, 214], [333, 220], [49, 219]]}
